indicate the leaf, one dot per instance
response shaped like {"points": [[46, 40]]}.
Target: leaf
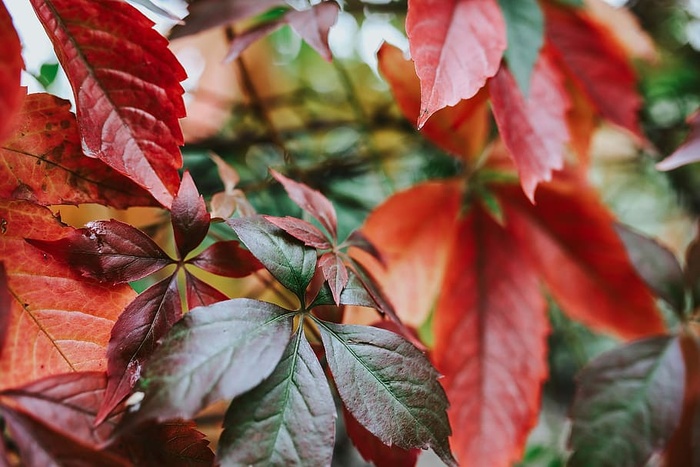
{"points": [[43, 161], [126, 86], [55, 312], [373, 450], [456, 46], [108, 251], [135, 336], [692, 270], [689, 151], [199, 293], [335, 272], [226, 259], [460, 130], [189, 217], [569, 236], [314, 24], [656, 265], [389, 386], [354, 293], [5, 306], [628, 403], [11, 65], [525, 33], [490, 327], [302, 230], [288, 420], [534, 129], [311, 201], [596, 64], [207, 14], [213, 353], [174, 443], [165, 13], [291, 263], [582, 121]]}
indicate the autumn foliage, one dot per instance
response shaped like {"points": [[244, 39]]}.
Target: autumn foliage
{"points": [[115, 338]]}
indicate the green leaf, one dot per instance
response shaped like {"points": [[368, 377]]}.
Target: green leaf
{"points": [[525, 31], [628, 404], [389, 387], [575, 3], [216, 352], [47, 74], [353, 294], [288, 260], [288, 420]]}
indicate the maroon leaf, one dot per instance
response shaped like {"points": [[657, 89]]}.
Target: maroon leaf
{"points": [[5, 306], [689, 151], [227, 259], [335, 272], [189, 217], [108, 251], [45, 164], [359, 240], [11, 65], [135, 336], [199, 293], [175, 443], [311, 201], [126, 86], [302, 230]]}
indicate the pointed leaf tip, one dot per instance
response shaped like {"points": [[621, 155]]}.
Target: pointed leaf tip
{"points": [[189, 216]]}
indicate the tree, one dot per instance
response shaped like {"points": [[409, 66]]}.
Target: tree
{"points": [[113, 338]]}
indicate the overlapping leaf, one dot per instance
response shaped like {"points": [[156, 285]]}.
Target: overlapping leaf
{"points": [[42, 161], [11, 65], [689, 151], [456, 46], [126, 86], [5, 306], [226, 259], [189, 217], [628, 403], [525, 32], [59, 321]]}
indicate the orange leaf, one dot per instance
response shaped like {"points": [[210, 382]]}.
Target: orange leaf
{"points": [[582, 122], [490, 343], [59, 321], [460, 130], [11, 65], [570, 238]]}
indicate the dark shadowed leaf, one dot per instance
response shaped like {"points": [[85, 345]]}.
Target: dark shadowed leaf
{"points": [[44, 162], [456, 46], [335, 272], [692, 269], [11, 65], [689, 151], [126, 86], [525, 32], [175, 443], [189, 217], [302, 230], [628, 404], [359, 240], [534, 129], [290, 262], [199, 293], [5, 306], [215, 352], [227, 259], [108, 251], [288, 420], [389, 386], [135, 336], [657, 265]]}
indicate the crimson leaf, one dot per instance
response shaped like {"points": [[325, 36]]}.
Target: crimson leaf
{"points": [[335, 272], [288, 420], [189, 217], [11, 65], [302, 230], [226, 259], [389, 386], [215, 352], [5, 303], [628, 403], [174, 443], [135, 336], [291, 263], [199, 293]]}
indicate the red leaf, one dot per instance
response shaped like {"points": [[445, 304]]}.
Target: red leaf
{"points": [[597, 64], [373, 450], [311, 201], [227, 259], [570, 238], [335, 272], [490, 330], [456, 45], [135, 336], [302, 230], [689, 151], [55, 313], [199, 293], [174, 443], [108, 251], [189, 217], [11, 65], [460, 130], [44, 162], [313, 25], [126, 86], [534, 129], [5, 306]]}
